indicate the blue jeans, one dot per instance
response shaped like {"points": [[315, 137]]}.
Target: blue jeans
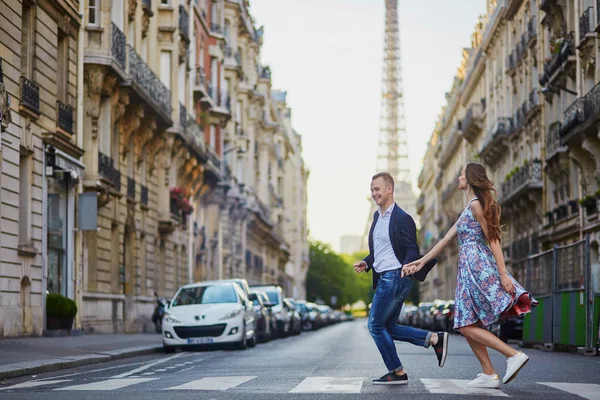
{"points": [[389, 296]]}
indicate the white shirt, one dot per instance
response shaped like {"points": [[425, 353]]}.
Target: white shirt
{"points": [[383, 253]]}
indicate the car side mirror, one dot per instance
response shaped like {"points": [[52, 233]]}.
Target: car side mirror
{"points": [[168, 303], [252, 297], [268, 305]]}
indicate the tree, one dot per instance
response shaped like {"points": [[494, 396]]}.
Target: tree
{"points": [[330, 274]]}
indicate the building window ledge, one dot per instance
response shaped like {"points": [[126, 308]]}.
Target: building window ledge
{"points": [[27, 250]]}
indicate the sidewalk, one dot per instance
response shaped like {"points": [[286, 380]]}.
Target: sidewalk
{"points": [[25, 356]]}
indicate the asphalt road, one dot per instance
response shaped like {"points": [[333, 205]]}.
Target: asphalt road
{"points": [[337, 362]]}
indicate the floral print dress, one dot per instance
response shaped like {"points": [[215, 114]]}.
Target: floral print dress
{"points": [[480, 297]]}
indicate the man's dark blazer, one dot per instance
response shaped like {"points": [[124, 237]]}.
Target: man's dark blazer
{"points": [[403, 236]]}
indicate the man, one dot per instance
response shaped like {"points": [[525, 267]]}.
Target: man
{"points": [[393, 243]]}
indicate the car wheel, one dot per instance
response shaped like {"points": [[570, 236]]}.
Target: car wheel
{"points": [[252, 342], [308, 326], [243, 344], [169, 349]]}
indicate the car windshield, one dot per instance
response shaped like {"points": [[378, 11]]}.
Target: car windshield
{"points": [[256, 301], [205, 295], [273, 297]]}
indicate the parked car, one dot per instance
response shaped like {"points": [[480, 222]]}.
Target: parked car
{"points": [[262, 310], [295, 327], [311, 317], [424, 319], [209, 314], [272, 319], [444, 316], [406, 314], [508, 328], [275, 294]]}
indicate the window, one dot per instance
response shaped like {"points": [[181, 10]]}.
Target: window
{"points": [[116, 14], [227, 32], [131, 33], [93, 10], [24, 199], [62, 74], [165, 2], [27, 41], [181, 84], [213, 137], [214, 17], [104, 126], [216, 294], [165, 68], [144, 52]]}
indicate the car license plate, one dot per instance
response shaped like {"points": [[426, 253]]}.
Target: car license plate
{"points": [[200, 340]]}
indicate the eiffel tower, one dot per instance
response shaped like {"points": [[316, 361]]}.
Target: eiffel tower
{"points": [[392, 150]]}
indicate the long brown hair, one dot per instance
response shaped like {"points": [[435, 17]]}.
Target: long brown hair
{"points": [[484, 189]]}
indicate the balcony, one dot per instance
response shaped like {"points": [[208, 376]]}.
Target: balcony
{"points": [[553, 66], [518, 120], [585, 25], [130, 189], [522, 181], [213, 158], [553, 145], [201, 87], [118, 46], [532, 32], [472, 124], [30, 97], [64, 117], [149, 85], [582, 115], [184, 23], [107, 170], [451, 144], [573, 116], [495, 146], [144, 196], [216, 29]]}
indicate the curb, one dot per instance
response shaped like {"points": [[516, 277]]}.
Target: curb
{"points": [[55, 364]]}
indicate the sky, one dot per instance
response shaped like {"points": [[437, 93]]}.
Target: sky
{"points": [[328, 56]]}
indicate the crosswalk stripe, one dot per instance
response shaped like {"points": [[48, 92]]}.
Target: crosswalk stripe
{"points": [[457, 386], [31, 384], [590, 391], [213, 383], [320, 384], [109, 384]]}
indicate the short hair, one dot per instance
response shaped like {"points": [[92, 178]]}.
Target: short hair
{"points": [[387, 178]]}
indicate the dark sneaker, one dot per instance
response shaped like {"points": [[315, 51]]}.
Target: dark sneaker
{"points": [[441, 348], [391, 379]]}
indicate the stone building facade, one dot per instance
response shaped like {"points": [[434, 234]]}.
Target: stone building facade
{"points": [[142, 149], [525, 105]]}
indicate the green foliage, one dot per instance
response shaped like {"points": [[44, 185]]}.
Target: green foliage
{"points": [[60, 306], [512, 172], [331, 274]]}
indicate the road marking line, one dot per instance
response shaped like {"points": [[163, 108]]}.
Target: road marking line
{"points": [[319, 384], [31, 384], [590, 391], [458, 386], [148, 373], [214, 383], [92, 370], [145, 367], [110, 384]]}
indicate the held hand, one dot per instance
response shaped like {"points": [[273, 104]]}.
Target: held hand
{"points": [[412, 268], [360, 266], [507, 283]]}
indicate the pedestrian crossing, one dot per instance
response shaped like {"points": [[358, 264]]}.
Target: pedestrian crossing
{"points": [[312, 384]]}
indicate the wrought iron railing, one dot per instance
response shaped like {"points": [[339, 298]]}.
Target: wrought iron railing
{"points": [[591, 103], [224, 99], [551, 66], [553, 140], [212, 92], [584, 23], [30, 95], [131, 187], [144, 195], [118, 46], [149, 82], [534, 99], [573, 116], [216, 28], [184, 22], [107, 169], [228, 51], [65, 116], [529, 173], [200, 77], [266, 73]]}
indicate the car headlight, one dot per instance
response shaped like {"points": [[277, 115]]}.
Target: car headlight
{"points": [[168, 318], [231, 314]]}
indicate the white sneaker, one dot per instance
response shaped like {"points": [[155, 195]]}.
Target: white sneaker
{"points": [[485, 381], [514, 365]]}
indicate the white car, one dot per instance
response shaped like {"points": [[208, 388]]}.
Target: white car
{"points": [[207, 314], [275, 294]]}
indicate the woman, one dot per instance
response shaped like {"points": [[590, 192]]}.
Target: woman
{"points": [[485, 291]]}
